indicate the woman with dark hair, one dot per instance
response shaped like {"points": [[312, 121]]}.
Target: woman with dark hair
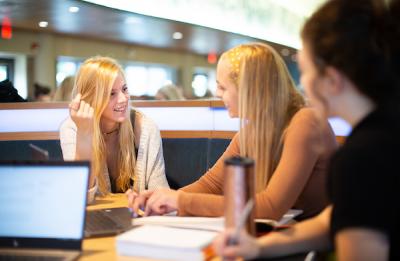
{"points": [[349, 69]]}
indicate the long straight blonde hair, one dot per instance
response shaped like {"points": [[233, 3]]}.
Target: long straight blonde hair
{"points": [[268, 99], [94, 81]]}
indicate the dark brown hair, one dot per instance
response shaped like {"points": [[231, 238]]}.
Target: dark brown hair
{"points": [[357, 38]]}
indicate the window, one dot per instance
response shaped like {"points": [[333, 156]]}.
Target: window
{"points": [[66, 66], [3, 72], [6, 69], [204, 82], [146, 79], [143, 79]]}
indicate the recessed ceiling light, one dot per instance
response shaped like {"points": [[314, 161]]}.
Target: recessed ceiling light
{"points": [[133, 20], [43, 23], [177, 35], [74, 9]]}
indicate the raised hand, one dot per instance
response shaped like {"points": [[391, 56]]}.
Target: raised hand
{"points": [[82, 114]]}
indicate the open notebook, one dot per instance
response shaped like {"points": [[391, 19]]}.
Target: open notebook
{"points": [[207, 223]]}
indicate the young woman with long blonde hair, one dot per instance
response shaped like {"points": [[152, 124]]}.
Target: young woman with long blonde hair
{"points": [[277, 130], [123, 153]]}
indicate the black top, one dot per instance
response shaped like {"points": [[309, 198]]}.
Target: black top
{"points": [[364, 178], [113, 182]]}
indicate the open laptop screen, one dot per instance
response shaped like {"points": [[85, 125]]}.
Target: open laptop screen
{"points": [[43, 200]]}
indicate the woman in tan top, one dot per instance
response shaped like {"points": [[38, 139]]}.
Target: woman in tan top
{"points": [[290, 148]]}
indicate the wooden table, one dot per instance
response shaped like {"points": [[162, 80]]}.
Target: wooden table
{"points": [[103, 248]]}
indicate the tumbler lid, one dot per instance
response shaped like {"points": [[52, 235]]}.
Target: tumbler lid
{"points": [[239, 161]]}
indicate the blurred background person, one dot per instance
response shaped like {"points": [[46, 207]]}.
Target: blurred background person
{"points": [[64, 91], [42, 93], [8, 93], [169, 92]]}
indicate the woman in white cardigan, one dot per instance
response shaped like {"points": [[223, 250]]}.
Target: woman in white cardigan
{"points": [[123, 145]]}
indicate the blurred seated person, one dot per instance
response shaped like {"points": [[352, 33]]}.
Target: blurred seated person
{"points": [[169, 92], [42, 93], [8, 93], [64, 91]]}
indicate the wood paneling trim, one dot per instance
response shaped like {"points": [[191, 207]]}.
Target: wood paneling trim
{"points": [[33, 105], [188, 103], [164, 134], [217, 103], [29, 136], [222, 134], [137, 103], [185, 134]]}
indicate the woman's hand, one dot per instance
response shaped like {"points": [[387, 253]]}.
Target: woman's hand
{"points": [[82, 114], [247, 247], [157, 202]]}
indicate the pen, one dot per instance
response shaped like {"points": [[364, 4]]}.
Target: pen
{"points": [[140, 212], [242, 221]]}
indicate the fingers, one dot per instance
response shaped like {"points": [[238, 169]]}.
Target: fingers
{"points": [[131, 195], [221, 241], [82, 114], [161, 202], [246, 247], [154, 205], [139, 202], [74, 105]]}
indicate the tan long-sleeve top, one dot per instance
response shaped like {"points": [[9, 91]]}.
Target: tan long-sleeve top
{"points": [[298, 181]]}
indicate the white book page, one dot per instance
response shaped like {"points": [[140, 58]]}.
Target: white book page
{"points": [[201, 223], [206, 223], [169, 237]]}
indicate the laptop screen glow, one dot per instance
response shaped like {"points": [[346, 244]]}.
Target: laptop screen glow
{"points": [[42, 201]]}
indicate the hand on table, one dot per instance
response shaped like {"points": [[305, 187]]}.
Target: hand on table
{"points": [[153, 202]]}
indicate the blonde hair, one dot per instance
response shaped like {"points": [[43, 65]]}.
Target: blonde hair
{"points": [[64, 91], [268, 99], [94, 82], [170, 92]]}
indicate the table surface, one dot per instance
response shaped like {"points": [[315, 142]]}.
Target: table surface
{"points": [[103, 248]]}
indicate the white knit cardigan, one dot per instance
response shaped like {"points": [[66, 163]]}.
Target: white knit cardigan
{"points": [[149, 167]]}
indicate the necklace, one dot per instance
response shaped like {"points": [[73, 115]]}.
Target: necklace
{"points": [[111, 132]]}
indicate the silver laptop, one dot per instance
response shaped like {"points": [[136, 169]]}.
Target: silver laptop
{"points": [[42, 209], [99, 222]]}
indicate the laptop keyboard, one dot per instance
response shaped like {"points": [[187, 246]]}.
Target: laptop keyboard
{"points": [[6, 257], [98, 220]]}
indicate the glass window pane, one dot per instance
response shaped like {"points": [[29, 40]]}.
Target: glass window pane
{"points": [[200, 85], [136, 79], [157, 78], [3, 72], [64, 69]]}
